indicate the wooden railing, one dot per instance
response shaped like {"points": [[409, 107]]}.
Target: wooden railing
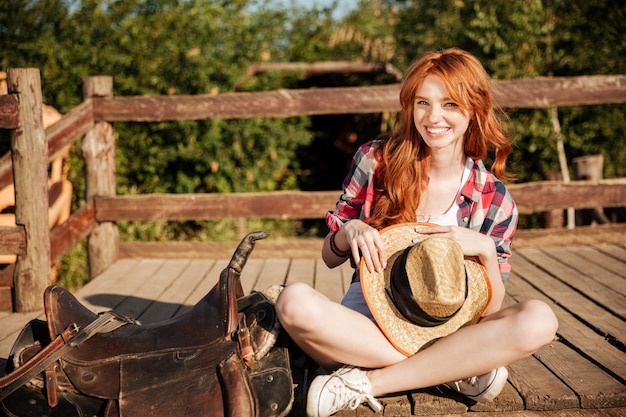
{"points": [[32, 147]]}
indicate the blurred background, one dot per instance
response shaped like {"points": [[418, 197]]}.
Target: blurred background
{"points": [[211, 47]]}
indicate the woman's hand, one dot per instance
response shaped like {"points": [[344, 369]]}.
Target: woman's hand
{"points": [[473, 243], [365, 242], [361, 240]]}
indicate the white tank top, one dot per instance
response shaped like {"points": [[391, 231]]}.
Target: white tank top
{"points": [[451, 217]]}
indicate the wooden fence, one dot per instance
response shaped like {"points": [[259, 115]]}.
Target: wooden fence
{"points": [[37, 247]]}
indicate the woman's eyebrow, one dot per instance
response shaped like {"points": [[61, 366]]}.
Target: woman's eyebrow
{"points": [[446, 98]]}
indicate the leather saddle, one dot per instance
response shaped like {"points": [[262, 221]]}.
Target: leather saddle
{"points": [[224, 357]]}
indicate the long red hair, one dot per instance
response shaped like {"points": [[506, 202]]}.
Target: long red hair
{"points": [[404, 157]]}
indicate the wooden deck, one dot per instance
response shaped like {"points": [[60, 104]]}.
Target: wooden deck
{"points": [[583, 373]]}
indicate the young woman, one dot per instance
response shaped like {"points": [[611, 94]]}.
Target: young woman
{"points": [[429, 170]]}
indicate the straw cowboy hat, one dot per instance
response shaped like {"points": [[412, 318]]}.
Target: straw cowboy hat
{"points": [[428, 290]]}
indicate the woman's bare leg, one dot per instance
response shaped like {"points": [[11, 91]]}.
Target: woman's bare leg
{"points": [[330, 333], [508, 335]]}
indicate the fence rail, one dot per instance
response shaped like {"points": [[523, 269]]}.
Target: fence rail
{"points": [[540, 92]]}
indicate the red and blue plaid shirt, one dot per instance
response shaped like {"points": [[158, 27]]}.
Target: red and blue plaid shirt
{"points": [[485, 204]]}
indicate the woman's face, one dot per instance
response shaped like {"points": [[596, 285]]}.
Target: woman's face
{"points": [[438, 119]]}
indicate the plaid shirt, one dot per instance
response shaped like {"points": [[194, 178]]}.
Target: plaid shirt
{"points": [[485, 204]]}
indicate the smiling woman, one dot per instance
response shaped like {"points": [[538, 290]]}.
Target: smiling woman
{"points": [[430, 167]]}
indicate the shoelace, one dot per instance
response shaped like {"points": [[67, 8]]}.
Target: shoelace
{"points": [[473, 381], [355, 400]]}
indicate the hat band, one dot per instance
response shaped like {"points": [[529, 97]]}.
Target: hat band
{"points": [[401, 295]]}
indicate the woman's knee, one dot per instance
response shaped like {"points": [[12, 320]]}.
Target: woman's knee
{"points": [[296, 305], [537, 324]]}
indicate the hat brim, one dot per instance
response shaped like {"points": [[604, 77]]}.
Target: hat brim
{"points": [[405, 336]]}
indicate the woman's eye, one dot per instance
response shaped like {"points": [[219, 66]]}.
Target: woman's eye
{"points": [[421, 103], [451, 104]]}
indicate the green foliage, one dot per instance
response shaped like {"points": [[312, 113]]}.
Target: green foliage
{"points": [[429, 25], [73, 269], [589, 37], [211, 156]]}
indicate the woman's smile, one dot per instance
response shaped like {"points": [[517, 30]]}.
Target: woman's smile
{"points": [[437, 130]]}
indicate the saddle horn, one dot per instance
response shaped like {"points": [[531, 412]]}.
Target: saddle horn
{"points": [[240, 256]]}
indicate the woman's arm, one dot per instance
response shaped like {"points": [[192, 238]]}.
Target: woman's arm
{"points": [[347, 231], [489, 258], [336, 255]]}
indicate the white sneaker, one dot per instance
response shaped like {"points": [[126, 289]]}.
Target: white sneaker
{"points": [[346, 387], [484, 387]]}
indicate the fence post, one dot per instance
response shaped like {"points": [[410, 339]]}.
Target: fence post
{"points": [[29, 154], [590, 168], [554, 218], [98, 148]]}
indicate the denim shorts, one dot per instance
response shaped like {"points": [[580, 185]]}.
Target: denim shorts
{"points": [[354, 300]]}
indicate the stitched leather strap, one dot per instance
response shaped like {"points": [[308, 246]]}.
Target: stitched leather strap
{"points": [[245, 344], [71, 337], [37, 363]]}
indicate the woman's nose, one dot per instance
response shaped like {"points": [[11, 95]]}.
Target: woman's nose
{"points": [[434, 114]]}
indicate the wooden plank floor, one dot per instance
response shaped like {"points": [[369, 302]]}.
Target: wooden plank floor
{"points": [[583, 373]]}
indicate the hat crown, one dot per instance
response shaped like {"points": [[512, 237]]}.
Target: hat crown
{"points": [[436, 275]]}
